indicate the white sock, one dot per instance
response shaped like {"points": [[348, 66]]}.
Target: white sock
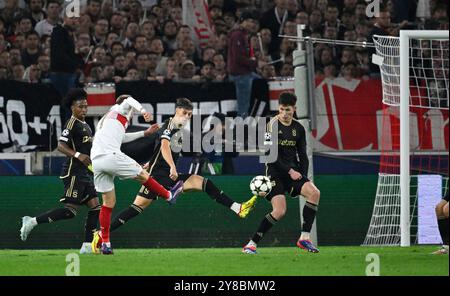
{"points": [[108, 244], [251, 243], [33, 221], [305, 236], [236, 207]]}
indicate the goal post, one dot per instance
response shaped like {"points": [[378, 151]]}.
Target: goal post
{"points": [[415, 80], [405, 37]]}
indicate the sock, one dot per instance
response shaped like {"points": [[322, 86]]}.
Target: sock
{"points": [[56, 214], [305, 236], [157, 188], [91, 223], [105, 222], [236, 207], [443, 229], [218, 195], [126, 215], [251, 243], [265, 226], [309, 214]]}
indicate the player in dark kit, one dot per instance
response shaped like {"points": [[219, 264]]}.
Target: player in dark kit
{"points": [[163, 169], [288, 174], [75, 142]]}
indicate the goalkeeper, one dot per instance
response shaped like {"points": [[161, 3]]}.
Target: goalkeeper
{"points": [[442, 219]]}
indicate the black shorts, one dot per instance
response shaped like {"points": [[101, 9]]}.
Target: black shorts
{"points": [[78, 190], [445, 197], [165, 181], [281, 185]]}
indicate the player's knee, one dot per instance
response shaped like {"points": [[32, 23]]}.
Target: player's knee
{"points": [[439, 210], [142, 177], [70, 212], [142, 202], [445, 210], [279, 213], [315, 196]]}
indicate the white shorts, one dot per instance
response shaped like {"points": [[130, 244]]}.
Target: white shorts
{"points": [[107, 166]]}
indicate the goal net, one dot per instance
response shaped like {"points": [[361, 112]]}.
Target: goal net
{"points": [[413, 172]]}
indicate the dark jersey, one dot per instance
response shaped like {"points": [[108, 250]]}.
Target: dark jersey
{"points": [[157, 164], [291, 148], [78, 136]]}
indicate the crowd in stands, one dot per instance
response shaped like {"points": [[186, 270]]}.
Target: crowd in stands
{"points": [[126, 40]]}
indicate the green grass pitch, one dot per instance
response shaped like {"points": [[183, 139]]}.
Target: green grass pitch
{"points": [[230, 262]]}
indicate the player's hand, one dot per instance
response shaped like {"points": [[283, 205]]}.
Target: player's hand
{"points": [[146, 166], [294, 175], [173, 173], [85, 159], [147, 116], [151, 130]]}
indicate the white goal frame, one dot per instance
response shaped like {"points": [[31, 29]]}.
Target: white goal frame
{"points": [[405, 214]]}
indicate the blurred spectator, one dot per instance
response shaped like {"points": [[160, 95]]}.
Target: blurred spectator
{"points": [[120, 66], [45, 27], [141, 44], [36, 11], [44, 65], [348, 71], [32, 74], [207, 72], [147, 40], [187, 72], [24, 25], [93, 9], [176, 14], [64, 62], [268, 72], [315, 21], [100, 32], [287, 70], [274, 19], [132, 74], [3, 72], [32, 50], [9, 14], [170, 35], [171, 69], [18, 71], [241, 62]]}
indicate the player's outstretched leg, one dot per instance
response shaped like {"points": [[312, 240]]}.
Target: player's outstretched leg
{"points": [[28, 223], [312, 194], [206, 185]]}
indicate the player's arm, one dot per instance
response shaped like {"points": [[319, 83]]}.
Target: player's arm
{"points": [[65, 149], [167, 155], [131, 102], [301, 151], [129, 137]]}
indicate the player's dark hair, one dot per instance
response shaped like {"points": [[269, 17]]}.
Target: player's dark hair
{"points": [[73, 95], [287, 99], [184, 103]]}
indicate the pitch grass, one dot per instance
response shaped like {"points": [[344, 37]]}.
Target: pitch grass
{"points": [[229, 261]]}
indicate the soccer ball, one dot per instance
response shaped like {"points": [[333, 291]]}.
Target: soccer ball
{"points": [[260, 185]]}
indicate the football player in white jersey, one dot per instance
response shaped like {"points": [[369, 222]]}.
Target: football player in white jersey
{"points": [[108, 162]]}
